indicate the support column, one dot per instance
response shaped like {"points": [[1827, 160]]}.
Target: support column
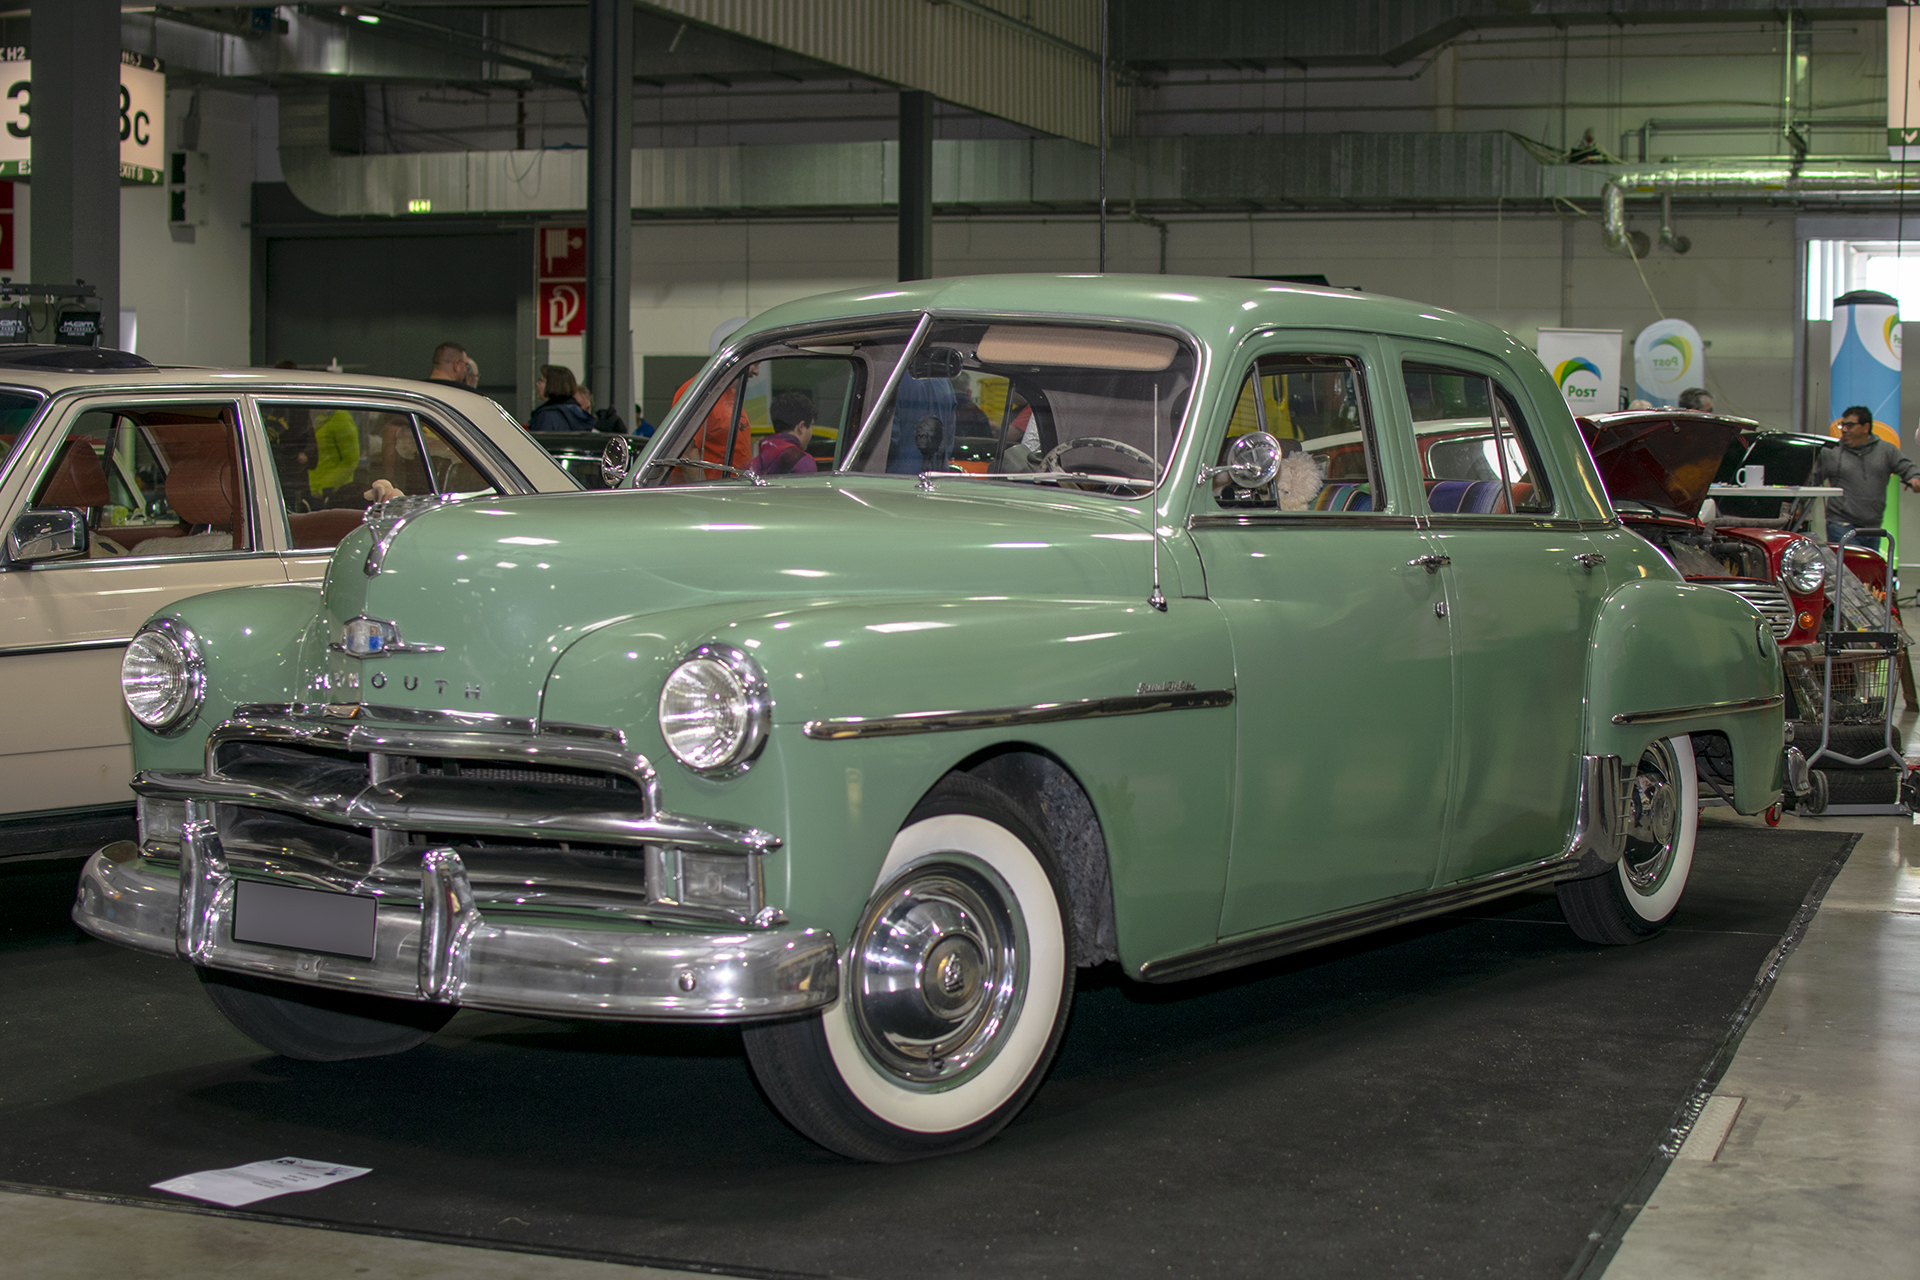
{"points": [[609, 344], [75, 45], [916, 184]]}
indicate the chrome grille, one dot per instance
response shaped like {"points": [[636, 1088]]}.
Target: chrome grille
{"points": [[1770, 599]]}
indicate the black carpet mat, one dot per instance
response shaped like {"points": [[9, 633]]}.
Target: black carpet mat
{"points": [[1472, 1096]]}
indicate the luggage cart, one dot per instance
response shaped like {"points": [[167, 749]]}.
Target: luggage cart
{"points": [[1857, 690]]}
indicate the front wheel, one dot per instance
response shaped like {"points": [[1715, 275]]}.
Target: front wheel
{"points": [[954, 991], [314, 1024], [1633, 900]]}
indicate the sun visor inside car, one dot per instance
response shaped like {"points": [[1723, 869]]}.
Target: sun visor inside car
{"points": [[1085, 348]]}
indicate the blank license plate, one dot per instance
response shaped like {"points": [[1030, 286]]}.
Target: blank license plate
{"points": [[304, 919]]}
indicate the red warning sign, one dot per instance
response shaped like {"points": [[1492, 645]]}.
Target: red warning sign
{"points": [[561, 253]]}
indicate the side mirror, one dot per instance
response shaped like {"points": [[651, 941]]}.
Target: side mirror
{"points": [[1253, 460], [54, 533], [615, 461]]}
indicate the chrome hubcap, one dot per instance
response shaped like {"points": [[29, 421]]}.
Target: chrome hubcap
{"points": [[1653, 820], [939, 972]]}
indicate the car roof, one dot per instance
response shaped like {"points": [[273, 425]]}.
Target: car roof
{"points": [[1219, 310]]}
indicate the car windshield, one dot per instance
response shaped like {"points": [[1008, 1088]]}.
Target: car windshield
{"points": [[16, 411], [1093, 407], [1037, 401]]}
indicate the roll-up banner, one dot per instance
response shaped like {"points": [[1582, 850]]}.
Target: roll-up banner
{"points": [[1903, 82], [1866, 370], [1668, 357], [1585, 364], [1866, 360]]}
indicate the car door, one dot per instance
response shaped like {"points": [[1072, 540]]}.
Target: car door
{"points": [[1523, 590], [1341, 650], [162, 482]]}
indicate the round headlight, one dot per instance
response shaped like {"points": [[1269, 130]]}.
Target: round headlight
{"points": [[714, 711], [1802, 567], [162, 677]]}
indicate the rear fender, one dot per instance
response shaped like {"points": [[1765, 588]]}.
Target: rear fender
{"points": [[1668, 659]]}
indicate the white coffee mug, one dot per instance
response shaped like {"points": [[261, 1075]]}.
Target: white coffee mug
{"points": [[1751, 476]]}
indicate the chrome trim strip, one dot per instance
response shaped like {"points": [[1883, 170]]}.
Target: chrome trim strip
{"points": [[1444, 520], [1704, 709], [1300, 520], [416, 802], [886, 389], [545, 968], [846, 727], [364, 712], [1231, 953], [70, 646]]}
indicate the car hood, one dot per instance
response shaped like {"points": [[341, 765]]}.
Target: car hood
{"points": [[499, 589], [1664, 459]]}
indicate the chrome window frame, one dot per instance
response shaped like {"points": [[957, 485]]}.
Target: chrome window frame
{"points": [[66, 407]]}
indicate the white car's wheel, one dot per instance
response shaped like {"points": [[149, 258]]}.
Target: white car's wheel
{"points": [[1633, 900], [954, 990]]}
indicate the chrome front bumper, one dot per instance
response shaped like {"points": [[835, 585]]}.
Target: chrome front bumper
{"points": [[442, 949]]}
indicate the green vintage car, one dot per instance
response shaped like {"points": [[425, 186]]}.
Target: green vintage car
{"points": [[1173, 622]]}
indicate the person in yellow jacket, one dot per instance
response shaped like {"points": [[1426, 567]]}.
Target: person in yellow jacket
{"points": [[337, 452]]}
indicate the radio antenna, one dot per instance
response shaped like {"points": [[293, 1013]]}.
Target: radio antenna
{"points": [[1156, 600]]}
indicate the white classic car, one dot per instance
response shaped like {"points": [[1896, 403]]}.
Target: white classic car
{"points": [[125, 487]]}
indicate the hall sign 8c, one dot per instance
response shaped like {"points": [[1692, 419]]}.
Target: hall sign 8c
{"points": [[142, 117]]}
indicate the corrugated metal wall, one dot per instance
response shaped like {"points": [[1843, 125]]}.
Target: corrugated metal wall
{"points": [[1235, 172], [958, 56]]}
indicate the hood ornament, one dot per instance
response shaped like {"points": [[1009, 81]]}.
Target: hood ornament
{"points": [[385, 519], [365, 637]]}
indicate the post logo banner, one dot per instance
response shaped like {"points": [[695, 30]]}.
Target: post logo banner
{"points": [[1585, 364], [1866, 359], [1668, 357]]}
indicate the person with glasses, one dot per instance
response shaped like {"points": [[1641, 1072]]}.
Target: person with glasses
{"points": [[1860, 464]]}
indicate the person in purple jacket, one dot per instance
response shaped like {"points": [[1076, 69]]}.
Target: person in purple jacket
{"points": [[785, 450]]}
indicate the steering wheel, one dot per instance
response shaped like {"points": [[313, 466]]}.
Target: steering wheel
{"points": [[1051, 460]]}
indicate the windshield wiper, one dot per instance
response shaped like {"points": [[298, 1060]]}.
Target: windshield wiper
{"points": [[704, 465]]}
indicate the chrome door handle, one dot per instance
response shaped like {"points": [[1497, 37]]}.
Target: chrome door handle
{"points": [[1591, 559], [1432, 563]]}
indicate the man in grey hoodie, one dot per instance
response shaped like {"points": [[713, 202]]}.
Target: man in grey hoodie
{"points": [[1860, 465]]}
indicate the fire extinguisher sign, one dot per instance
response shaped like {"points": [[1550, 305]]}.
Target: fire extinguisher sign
{"points": [[562, 272]]}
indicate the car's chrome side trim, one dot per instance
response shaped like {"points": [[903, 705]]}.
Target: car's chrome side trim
{"points": [[1007, 717], [1300, 520], [1703, 709], [448, 949], [1231, 953], [70, 646]]}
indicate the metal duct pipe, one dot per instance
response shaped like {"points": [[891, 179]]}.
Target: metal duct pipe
{"points": [[1708, 180]]}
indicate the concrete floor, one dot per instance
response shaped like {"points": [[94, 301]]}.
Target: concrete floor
{"points": [[1817, 1174]]}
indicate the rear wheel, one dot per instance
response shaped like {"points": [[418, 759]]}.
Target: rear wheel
{"points": [[318, 1025], [954, 991], [1633, 900]]}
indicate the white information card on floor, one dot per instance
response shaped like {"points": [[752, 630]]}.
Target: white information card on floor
{"points": [[261, 1180]]}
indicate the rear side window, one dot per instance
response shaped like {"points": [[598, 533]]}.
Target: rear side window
{"points": [[331, 459], [1477, 453]]}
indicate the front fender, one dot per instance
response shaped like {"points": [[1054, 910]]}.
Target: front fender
{"points": [[1159, 782], [1669, 658], [251, 639]]}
